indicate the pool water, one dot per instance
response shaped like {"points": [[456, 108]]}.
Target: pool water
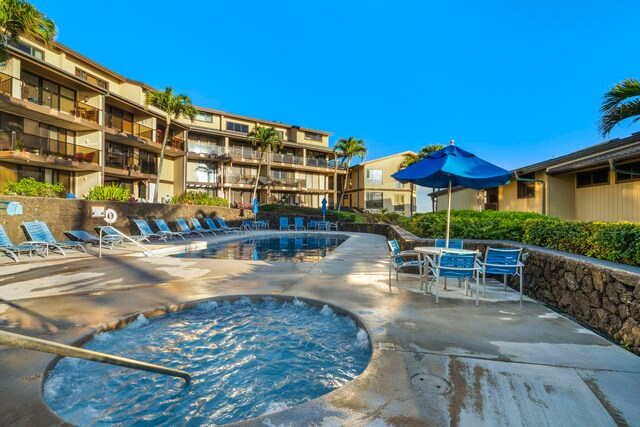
{"points": [[247, 358], [302, 248]]}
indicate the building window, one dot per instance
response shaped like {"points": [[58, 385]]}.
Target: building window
{"points": [[203, 116], [374, 200], [625, 177], [526, 189], [397, 184], [281, 134], [237, 127], [398, 202], [312, 136], [92, 79], [594, 177], [374, 176], [29, 50]]}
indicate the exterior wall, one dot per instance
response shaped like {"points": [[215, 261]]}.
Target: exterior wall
{"points": [[466, 199], [562, 196], [508, 197], [609, 202]]}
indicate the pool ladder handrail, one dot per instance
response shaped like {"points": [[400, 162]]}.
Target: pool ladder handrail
{"points": [[121, 234], [31, 343]]}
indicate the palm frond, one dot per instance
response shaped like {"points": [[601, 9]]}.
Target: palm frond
{"points": [[613, 117]]}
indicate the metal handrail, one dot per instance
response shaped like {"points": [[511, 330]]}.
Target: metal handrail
{"points": [[30, 343], [144, 248]]}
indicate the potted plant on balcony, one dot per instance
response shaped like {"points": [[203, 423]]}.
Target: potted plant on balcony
{"points": [[20, 144]]}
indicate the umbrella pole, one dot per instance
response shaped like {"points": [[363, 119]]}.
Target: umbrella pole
{"points": [[448, 213]]}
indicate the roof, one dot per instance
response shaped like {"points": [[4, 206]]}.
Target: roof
{"points": [[404, 153]]}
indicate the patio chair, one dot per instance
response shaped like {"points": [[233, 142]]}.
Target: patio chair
{"points": [[14, 251], [163, 228], [184, 228], [38, 233], [262, 224], [212, 225], [144, 228], [249, 225], [453, 243], [456, 265], [502, 261], [312, 224], [111, 231], [398, 261], [225, 227], [284, 223], [298, 223], [86, 237], [327, 225], [200, 229]]}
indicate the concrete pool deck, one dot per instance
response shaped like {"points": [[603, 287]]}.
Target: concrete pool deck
{"points": [[502, 363]]}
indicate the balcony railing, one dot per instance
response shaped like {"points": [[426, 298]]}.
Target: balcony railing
{"points": [[289, 182], [288, 158], [373, 204], [323, 163], [35, 144], [245, 153], [196, 147], [234, 178], [142, 131], [128, 163], [341, 165], [55, 101], [5, 84], [397, 208]]}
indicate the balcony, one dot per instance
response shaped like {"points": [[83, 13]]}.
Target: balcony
{"points": [[398, 208], [373, 204], [341, 166], [288, 158], [125, 165], [234, 178], [244, 153], [322, 163], [214, 152], [51, 107], [42, 151], [289, 182]]}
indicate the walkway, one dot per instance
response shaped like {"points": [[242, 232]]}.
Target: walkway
{"points": [[503, 363]]}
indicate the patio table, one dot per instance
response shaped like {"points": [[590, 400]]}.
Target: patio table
{"points": [[431, 252]]}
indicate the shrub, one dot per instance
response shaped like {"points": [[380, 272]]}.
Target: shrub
{"points": [[198, 198], [32, 188], [109, 192], [331, 215]]}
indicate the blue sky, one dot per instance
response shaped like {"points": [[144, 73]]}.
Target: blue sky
{"points": [[514, 82]]}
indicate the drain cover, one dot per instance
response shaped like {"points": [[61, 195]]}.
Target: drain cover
{"points": [[428, 383]]}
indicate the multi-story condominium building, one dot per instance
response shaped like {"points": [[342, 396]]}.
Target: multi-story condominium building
{"points": [[372, 188], [66, 119], [597, 183]]}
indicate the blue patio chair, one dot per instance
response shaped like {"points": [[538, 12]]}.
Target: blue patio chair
{"points": [[212, 226], [284, 223], [109, 230], [184, 228], [144, 228], [502, 261], [14, 251], [398, 261], [298, 223], [262, 224], [86, 237], [163, 228], [38, 233], [327, 225], [312, 225], [225, 227], [453, 243], [200, 229], [458, 266]]}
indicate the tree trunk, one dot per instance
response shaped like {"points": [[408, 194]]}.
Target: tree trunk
{"points": [[255, 186], [344, 187], [164, 144]]}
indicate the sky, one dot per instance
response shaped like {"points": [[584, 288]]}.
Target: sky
{"points": [[514, 82]]}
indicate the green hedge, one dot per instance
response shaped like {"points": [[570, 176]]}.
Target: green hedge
{"points": [[618, 242], [305, 211], [109, 192], [31, 188], [198, 198]]}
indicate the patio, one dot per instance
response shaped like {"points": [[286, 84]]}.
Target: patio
{"points": [[502, 363]]}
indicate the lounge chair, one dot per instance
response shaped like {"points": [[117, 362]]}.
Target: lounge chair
{"points": [[298, 223], [284, 223], [163, 228], [200, 229], [86, 237], [184, 228], [398, 259], [502, 261], [225, 227], [14, 251], [212, 225], [38, 233], [111, 231], [144, 228]]}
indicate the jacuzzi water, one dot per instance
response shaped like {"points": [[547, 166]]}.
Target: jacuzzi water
{"points": [[247, 358], [301, 248]]}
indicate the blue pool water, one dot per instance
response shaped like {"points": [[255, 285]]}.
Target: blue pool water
{"points": [[302, 248], [247, 358]]}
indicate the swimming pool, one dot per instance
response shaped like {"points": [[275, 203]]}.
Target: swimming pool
{"points": [[247, 358], [299, 248]]}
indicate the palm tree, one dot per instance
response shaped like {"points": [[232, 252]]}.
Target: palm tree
{"points": [[21, 19], [346, 150], [174, 106], [620, 103], [424, 152], [264, 139]]}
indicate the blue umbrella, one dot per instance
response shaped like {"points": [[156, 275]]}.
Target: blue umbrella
{"points": [[324, 207], [453, 166], [255, 206]]}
